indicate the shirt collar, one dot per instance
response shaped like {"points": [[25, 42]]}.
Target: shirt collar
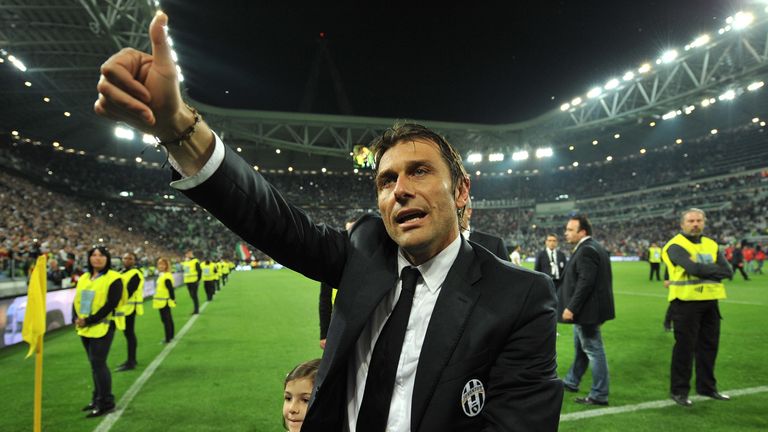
{"points": [[581, 241], [436, 269]]}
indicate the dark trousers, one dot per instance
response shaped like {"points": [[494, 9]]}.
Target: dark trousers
{"points": [[655, 270], [193, 287], [97, 350], [697, 336], [210, 288], [218, 284], [130, 337], [167, 319], [740, 268]]}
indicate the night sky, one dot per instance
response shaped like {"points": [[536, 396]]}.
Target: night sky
{"points": [[456, 62]]}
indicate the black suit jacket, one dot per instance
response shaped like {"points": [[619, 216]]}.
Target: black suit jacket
{"points": [[494, 244], [587, 287], [543, 265], [492, 322]]}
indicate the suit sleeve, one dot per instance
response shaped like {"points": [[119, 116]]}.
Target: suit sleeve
{"points": [[587, 265], [252, 208], [502, 252], [326, 308], [525, 393]]}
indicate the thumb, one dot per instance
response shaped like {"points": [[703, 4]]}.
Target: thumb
{"points": [[161, 51]]}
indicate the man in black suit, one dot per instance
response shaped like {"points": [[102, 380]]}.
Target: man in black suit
{"points": [[470, 343], [586, 301], [489, 241], [551, 260]]}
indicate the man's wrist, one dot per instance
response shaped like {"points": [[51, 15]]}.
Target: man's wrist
{"points": [[179, 123]]}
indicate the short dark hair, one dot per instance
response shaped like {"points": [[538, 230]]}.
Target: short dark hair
{"points": [[411, 132], [551, 235], [104, 251], [584, 223]]}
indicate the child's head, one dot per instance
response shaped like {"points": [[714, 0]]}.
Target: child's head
{"points": [[298, 389]]}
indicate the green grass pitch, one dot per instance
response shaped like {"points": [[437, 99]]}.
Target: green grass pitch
{"points": [[227, 372]]}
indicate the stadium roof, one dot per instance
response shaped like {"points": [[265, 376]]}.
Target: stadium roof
{"points": [[62, 43]]}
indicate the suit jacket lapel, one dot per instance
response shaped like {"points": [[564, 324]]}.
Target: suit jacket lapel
{"points": [[454, 304]]}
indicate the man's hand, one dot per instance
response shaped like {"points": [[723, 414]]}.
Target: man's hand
{"points": [[142, 90], [322, 343], [567, 315], [80, 322]]}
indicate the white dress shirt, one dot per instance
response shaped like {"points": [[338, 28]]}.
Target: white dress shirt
{"points": [[433, 273], [552, 255]]}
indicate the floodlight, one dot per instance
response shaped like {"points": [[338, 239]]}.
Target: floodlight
{"points": [[575, 164], [496, 157], [27, 83], [645, 67], [595, 92], [477, 172], [652, 124], [628, 76], [18, 63], [576, 101], [612, 84], [124, 133], [755, 120], [474, 157], [544, 152], [755, 85], [669, 115], [728, 95], [571, 148], [609, 158], [520, 155], [509, 171], [565, 107], [705, 103], [594, 142], [713, 131], [277, 151], [138, 159], [742, 20], [174, 56], [669, 56], [642, 151], [616, 136], [679, 141], [700, 41]]}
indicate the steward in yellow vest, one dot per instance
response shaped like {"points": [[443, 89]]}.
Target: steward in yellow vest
{"points": [[164, 298], [192, 274], [209, 278], [696, 269], [133, 287], [98, 303], [654, 258]]}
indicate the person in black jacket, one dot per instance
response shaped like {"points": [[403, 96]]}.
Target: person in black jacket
{"points": [[551, 261], [489, 241], [586, 301], [481, 353]]}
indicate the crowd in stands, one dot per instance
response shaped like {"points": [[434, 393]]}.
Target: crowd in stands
{"points": [[63, 202]]}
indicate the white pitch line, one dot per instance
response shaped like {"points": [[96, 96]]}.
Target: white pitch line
{"points": [[652, 405], [642, 294], [112, 418]]}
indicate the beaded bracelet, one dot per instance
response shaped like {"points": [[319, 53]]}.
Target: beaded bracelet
{"points": [[187, 133]]}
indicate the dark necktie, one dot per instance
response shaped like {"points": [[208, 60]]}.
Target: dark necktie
{"points": [[380, 382]]}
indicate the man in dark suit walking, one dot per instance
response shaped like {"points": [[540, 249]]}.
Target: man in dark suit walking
{"points": [[551, 261], [428, 332], [586, 301], [489, 241]]}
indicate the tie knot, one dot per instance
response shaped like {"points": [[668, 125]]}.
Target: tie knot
{"points": [[409, 276]]}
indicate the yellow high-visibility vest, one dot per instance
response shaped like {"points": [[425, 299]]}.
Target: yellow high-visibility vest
{"points": [[190, 270], [91, 295], [136, 300], [654, 254], [209, 272], [162, 296], [688, 287]]}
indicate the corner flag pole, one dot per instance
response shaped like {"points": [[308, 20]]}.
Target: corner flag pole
{"points": [[38, 412]]}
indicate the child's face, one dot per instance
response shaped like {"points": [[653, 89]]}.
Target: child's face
{"points": [[297, 394]]}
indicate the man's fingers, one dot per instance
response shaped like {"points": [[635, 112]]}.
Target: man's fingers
{"points": [[105, 108], [161, 52], [123, 69], [116, 96]]}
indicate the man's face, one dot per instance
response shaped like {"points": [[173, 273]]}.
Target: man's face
{"points": [[416, 199], [573, 232], [128, 261], [693, 223], [551, 242]]}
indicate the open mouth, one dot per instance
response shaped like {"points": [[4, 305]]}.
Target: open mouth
{"points": [[406, 216]]}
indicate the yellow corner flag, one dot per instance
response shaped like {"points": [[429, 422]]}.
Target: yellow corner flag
{"points": [[34, 317]]}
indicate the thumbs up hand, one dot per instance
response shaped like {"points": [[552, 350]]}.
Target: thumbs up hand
{"points": [[142, 90]]}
